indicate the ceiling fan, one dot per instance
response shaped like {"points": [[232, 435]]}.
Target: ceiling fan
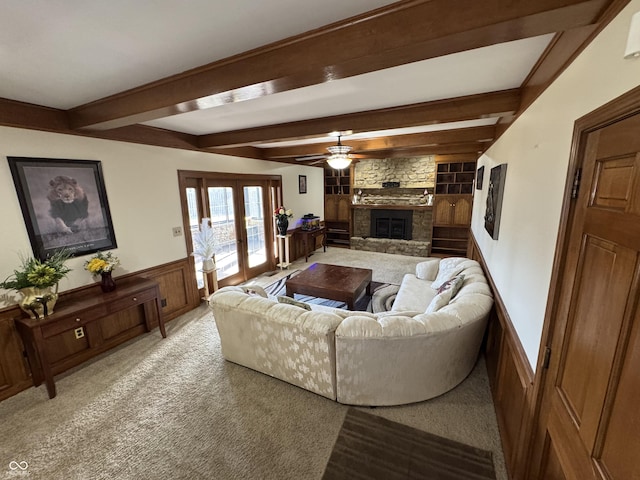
{"points": [[337, 153]]}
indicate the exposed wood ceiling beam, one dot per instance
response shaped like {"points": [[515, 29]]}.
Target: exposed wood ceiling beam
{"points": [[383, 38], [471, 107], [431, 139]]}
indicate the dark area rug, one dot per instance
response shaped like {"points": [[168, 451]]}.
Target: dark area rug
{"points": [[371, 447], [383, 294]]}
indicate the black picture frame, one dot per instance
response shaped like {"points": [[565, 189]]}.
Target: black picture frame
{"points": [[64, 205], [495, 193], [479, 178], [302, 184]]}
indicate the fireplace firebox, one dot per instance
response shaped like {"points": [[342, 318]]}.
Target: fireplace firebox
{"points": [[396, 224]]}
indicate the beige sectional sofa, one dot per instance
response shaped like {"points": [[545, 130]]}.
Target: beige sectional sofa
{"points": [[426, 345]]}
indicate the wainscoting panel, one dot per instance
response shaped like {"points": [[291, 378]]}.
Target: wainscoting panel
{"points": [[511, 379], [177, 286], [179, 295]]}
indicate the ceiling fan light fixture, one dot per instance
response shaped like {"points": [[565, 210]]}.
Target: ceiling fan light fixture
{"points": [[339, 157]]}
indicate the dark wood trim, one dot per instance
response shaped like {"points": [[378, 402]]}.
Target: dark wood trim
{"points": [[26, 115], [183, 174], [511, 378], [469, 107], [311, 58], [560, 53], [465, 136], [385, 37]]}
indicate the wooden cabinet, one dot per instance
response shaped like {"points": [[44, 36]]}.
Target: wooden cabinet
{"points": [[337, 182], [337, 207], [455, 177], [14, 372], [452, 207], [452, 210], [84, 327]]}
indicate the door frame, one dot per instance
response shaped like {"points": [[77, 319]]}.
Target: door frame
{"points": [[626, 105], [187, 178]]}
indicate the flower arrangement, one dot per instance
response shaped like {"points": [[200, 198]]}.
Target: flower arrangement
{"points": [[101, 263], [37, 273], [282, 213]]}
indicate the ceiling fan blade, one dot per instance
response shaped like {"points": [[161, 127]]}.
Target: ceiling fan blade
{"points": [[307, 158]]}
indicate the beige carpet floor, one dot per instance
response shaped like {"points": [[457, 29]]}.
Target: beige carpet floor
{"points": [[175, 409]]}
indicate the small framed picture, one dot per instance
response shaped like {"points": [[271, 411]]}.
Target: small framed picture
{"points": [[479, 178], [64, 205], [302, 184]]}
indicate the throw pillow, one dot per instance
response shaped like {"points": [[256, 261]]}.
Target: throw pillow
{"points": [[455, 284], [448, 268], [291, 301], [446, 292], [439, 301], [254, 290], [427, 270]]}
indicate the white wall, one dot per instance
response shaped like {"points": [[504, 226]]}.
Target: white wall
{"points": [[536, 148], [142, 189]]}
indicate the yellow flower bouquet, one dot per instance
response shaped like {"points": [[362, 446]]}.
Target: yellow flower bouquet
{"points": [[101, 263]]}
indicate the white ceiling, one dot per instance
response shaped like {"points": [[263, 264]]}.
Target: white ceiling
{"points": [[64, 53], [67, 53]]}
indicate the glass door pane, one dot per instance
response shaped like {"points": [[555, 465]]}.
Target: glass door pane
{"points": [[194, 225], [254, 225], [223, 216]]}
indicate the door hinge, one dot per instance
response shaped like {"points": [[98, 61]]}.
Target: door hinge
{"points": [[576, 183], [547, 357]]}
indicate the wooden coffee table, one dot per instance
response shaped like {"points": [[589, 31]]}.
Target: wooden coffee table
{"points": [[335, 282]]}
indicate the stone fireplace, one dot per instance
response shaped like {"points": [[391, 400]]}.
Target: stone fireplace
{"points": [[395, 219]]}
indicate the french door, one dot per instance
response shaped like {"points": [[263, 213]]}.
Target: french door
{"points": [[239, 209]]}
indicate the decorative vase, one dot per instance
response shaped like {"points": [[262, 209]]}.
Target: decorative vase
{"points": [[38, 302], [107, 284], [283, 225], [208, 265]]}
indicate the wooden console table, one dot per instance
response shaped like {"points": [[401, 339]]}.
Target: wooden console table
{"points": [[82, 328], [309, 239]]}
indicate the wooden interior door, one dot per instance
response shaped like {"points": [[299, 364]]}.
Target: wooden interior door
{"points": [[589, 417]]}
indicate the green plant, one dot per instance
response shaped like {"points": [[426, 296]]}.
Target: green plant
{"points": [[36, 273]]}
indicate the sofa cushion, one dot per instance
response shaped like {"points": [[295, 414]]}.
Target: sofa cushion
{"points": [[428, 270], [449, 268], [414, 294], [291, 301]]}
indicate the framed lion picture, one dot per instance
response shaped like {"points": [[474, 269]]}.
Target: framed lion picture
{"points": [[64, 204]]}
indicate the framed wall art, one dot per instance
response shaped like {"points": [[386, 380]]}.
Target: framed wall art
{"points": [[494, 200], [302, 184], [64, 205], [479, 178]]}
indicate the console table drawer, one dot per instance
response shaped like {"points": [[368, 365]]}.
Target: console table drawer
{"points": [[78, 319], [131, 300]]}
